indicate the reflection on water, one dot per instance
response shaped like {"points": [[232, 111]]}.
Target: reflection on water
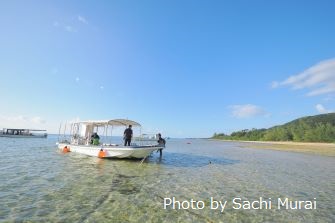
{"points": [[40, 184]]}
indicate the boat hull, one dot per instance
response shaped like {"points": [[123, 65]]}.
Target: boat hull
{"points": [[136, 152]]}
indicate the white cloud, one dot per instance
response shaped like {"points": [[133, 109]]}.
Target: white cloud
{"points": [[18, 118], [56, 24], [21, 121], [275, 84], [77, 79], [70, 29], [66, 27], [82, 19], [321, 109], [70, 25], [247, 111], [37, 120], [101, 87], [318, 79]]}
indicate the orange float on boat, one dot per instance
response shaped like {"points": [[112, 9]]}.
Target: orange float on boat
{"points": [[102, 153], [66, 149]]}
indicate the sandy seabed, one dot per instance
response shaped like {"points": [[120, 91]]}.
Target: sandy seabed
{"points": [[324, 149]]}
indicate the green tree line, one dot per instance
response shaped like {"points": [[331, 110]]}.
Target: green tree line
{"points": [[319, 128]]}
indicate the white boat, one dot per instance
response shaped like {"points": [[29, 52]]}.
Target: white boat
{"points": [[147, 137], [23, 133], [80, 140]]}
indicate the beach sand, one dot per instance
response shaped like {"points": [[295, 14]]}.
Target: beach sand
{"points": [[324, 149]]}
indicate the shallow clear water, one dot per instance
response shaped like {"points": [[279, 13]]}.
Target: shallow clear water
{"points": [[40, 184]]}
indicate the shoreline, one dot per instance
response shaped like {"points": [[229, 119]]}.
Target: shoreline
{"points": [[323, 149]]}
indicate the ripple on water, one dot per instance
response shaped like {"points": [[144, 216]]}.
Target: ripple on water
{"points": [[40, 184]]}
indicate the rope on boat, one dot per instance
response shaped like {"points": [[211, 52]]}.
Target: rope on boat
{"points": [[142, 160]]}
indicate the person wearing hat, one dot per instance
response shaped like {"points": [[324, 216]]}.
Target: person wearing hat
{"points": [[127, 135]]}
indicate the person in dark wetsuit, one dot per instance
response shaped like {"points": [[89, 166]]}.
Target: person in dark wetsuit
{"points": [[161, 142], [127, 135]]}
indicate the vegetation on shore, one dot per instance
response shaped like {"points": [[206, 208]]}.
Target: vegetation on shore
{"points": [[318, 128]]}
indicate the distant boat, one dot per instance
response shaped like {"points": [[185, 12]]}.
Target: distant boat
{"points": [[82, 141], [23, 133], [147, 137]]}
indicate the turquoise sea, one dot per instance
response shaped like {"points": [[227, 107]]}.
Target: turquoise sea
{"points": [[40, 184]]}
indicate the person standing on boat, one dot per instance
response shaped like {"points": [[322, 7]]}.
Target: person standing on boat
{"points": [[127, 135], [161, 142]]}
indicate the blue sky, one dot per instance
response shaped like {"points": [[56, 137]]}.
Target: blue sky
{"points": [[183, 68]]}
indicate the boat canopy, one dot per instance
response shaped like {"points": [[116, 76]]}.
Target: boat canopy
{"points": [[113, 122]]}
